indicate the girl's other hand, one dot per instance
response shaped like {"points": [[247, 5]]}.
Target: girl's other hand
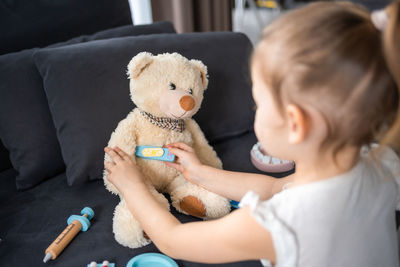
{"points": [[186, 161], [122, 170]]}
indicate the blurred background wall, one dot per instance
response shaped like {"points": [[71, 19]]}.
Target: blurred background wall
{"points": [[195, 15], [247, 16], [218, 15]]}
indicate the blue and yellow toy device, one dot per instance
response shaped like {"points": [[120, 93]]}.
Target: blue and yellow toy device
{"points": [[155, 153]]}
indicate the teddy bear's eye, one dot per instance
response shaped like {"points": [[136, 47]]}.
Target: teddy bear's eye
{"points": [[172, 86], [191, 91]]}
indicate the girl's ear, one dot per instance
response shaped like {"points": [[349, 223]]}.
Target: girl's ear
{"points": [[297, 124], [138, 63], [203, 71]]}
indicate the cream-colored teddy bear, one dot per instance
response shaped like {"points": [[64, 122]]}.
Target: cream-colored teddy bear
{"points": [[167, 90]]}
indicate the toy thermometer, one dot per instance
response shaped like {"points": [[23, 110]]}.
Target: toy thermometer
{"points": [[155, 153]]}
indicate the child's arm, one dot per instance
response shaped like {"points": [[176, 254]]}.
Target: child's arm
{"points": [[232, 185], [235, 237]]}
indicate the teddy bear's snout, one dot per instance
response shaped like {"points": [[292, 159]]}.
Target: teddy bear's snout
{"points": [[187, 102]]}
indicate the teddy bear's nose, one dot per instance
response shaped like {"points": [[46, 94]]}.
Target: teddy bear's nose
{"points": [[187, 102]]}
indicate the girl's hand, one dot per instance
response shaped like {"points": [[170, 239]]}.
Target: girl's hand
{"points": [[122, 170], [186, 162]]}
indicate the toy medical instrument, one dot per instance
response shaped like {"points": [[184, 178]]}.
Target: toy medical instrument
{"points": [[151, 259], [76, 223], [155, 153], [104, 264], [267, 163]]}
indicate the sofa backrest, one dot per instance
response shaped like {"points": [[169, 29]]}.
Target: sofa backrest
{"points": [[26, 23], [26, 127], [88, 91]]}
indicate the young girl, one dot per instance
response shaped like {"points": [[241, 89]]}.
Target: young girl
{"points": [[324, 81]]}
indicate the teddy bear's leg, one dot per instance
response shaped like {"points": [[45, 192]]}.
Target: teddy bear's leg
{"points": [[191, 199], [126, 228]]}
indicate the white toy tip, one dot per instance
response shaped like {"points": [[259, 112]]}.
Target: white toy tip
{"points": [[47, 257]]}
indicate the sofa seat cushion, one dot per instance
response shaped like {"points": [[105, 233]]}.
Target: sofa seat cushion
{"points": [[32, 219]]}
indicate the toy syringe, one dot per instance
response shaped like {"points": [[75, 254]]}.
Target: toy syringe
{"points": [[76, 223]]}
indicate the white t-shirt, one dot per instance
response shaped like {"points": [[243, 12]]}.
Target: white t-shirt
{"points": [[347, 220]]}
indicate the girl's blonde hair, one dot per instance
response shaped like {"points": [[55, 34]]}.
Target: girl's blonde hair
{"points": [[331, 56]]}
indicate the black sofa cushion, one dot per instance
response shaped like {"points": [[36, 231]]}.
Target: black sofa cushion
{"points": [[127, 30], [4, 158], [88, 90], [26, 126], [32, 219], [26, 24]]}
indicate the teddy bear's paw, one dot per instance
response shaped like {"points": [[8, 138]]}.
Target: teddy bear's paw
{"points": [[216, 206], [193, 206], [210, 207], [130, 242], [194, 200], [127, 230]]}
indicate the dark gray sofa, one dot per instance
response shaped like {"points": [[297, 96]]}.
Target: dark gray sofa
{"points": [[32, 219], [58, 106]]}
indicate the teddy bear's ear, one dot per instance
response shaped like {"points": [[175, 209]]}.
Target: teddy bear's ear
{"points": [[138, 63], [203, 71]]}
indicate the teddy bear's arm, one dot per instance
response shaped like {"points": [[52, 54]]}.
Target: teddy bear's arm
{"points": [[204, 151], [124, 136]]}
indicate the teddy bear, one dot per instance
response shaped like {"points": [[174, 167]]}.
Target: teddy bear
{"points": [[167, 90]]}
